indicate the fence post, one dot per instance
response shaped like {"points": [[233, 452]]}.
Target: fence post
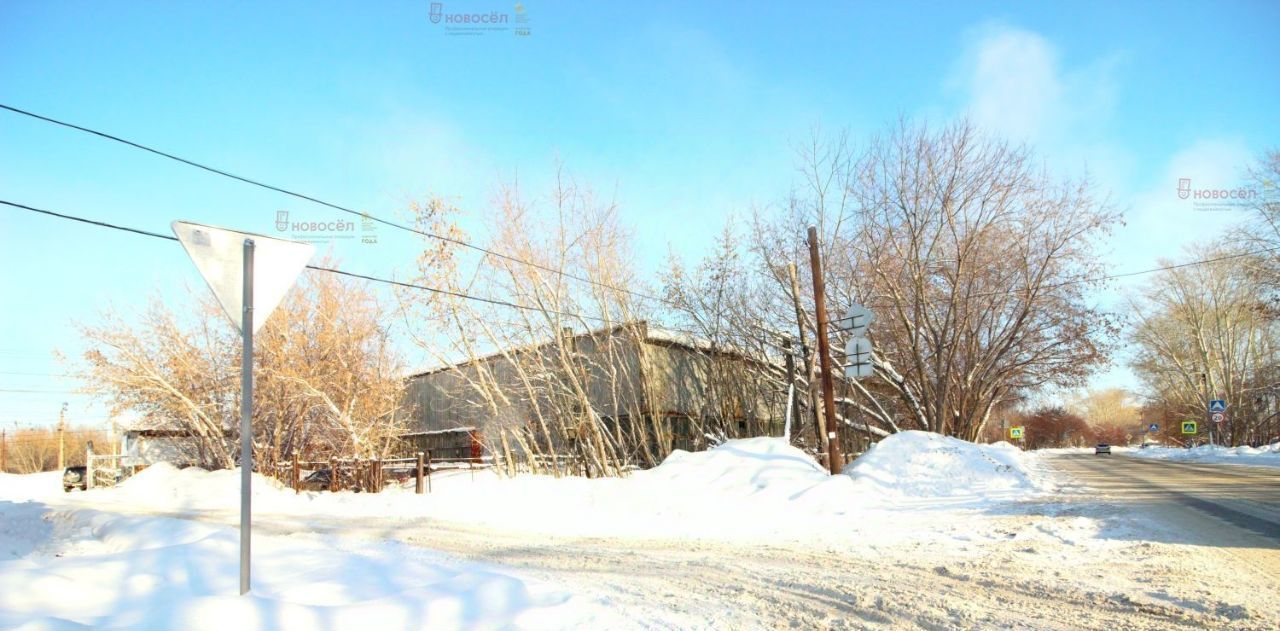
{"points": [[333, 474], [88, 469], [297, 483], [417, 478], [377, 474]]}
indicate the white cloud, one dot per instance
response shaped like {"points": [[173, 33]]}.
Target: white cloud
{"points": [[1013, 83], [1016, 83], [1160, 225]]}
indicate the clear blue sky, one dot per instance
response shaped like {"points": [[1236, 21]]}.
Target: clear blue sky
{"points": [[687, 110]]}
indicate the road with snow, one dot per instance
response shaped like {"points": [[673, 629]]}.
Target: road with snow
{"points": [[1233, 507]]}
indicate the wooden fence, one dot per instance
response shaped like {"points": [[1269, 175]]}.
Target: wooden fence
{"points": [[369, 475], [372, 475]]}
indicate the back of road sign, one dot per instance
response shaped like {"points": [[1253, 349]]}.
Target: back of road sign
{"points": [[219, 256], [857, 352]]}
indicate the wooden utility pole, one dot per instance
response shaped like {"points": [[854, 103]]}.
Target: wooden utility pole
{"points": [[4, 452], [835, 461]]}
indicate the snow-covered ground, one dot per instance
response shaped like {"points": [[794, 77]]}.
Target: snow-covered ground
{"points": [[746, 535], [1268, 456]]}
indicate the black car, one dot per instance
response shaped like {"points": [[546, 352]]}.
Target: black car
{"points": [[75, 478], [317, 480]]}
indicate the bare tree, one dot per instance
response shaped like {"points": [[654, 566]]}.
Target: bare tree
{"points": [[976, 261], [327, 379], [566, 261], [1202, 332]]}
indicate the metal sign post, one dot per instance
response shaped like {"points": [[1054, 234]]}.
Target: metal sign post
{"points": [[246, 414], [1217, 413], [226, 259]]}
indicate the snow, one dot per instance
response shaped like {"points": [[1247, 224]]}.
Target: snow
{"points": [[1268, 456], [130, 556], [109, 571], [923, 464]]}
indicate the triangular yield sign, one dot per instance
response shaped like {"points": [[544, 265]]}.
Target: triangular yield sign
{"points": [[219, 255]]}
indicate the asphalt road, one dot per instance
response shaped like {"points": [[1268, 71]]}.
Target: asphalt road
{"points": [[1231, 507]]}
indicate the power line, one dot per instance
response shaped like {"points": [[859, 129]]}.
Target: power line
{"points": [[319, 268], [504, 303], [314, 200]]}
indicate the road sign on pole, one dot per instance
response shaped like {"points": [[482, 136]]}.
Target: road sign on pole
{"points": [[1217, 405], [1189, 427], [856, 320], [1153, 428], [1218, 417], [857, 352], [228, 260], [1016, 431]]}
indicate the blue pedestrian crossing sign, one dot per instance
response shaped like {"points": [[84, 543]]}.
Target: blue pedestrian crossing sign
{"points": [[1153, 428], [1217, 405]]}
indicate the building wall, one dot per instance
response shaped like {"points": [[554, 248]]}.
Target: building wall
{"points": [[629, 379]]}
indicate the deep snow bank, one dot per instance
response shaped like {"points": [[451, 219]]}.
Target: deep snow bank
{"points": [[30, 486], [741, 468], [1268, 456], [94, 570], [743, 489], [923, 464]]}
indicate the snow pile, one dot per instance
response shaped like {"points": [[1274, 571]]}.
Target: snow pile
{"points": [[1267, 456], [758, 488], [922, 464], [163, 485], [104, 571], [32, 486], [740, 468]]}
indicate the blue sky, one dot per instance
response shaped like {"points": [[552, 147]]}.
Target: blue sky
{"points": [[687, 111]]}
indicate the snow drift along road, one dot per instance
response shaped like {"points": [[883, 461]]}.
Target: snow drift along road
{"points": [[748, 488], [1268, 456], [63, 565]]}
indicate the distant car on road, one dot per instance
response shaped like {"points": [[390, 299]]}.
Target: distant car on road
{"points": [[75, 478], [1102, 448]]}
